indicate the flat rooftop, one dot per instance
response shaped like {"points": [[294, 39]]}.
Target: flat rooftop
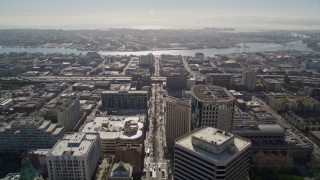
{"points": [[219, 146], [26, 121], [209, 93], [73, 144], [112, 127]]}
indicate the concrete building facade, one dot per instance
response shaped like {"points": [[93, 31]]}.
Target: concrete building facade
{"points": [[177, 119], [75, 156], [69, 113]]}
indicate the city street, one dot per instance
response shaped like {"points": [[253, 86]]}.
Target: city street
{"points": [[155, 166], [186, 65], [127, 66], [157, 67]]}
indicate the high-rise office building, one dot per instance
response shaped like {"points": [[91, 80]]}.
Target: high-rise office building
{"points": [[75, 156], [177, 119], [249, 78], [209, 153], [211, 106]]}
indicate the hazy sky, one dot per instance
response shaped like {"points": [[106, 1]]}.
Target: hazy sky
{"points": [[76, 14]]}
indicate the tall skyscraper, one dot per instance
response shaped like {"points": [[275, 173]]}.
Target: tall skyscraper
{"points": [[210, 153], [211, 106], [75, 156], [177, 119], [249, 78]]}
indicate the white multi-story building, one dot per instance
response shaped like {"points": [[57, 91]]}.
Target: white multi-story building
{"points": [[29, 133], [146, 60], [209, 153], [75, 156], [117, 130], [177, 119], [249, 78], [211, 106]]}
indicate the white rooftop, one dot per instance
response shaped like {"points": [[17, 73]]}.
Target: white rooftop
{"points": [[111, 127], [215, 144], [73, 144]]}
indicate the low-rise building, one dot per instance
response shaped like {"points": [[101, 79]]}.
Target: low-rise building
{"points": [[219, 79], [303, 124], [121, 171], [265, 118], [273, 139], [117, 130], [28, 133], [271, 85], [285, 103], [132, 154], [242, 119]]}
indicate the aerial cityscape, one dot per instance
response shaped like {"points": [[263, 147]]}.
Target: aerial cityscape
{"points": [[159, 101]]}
